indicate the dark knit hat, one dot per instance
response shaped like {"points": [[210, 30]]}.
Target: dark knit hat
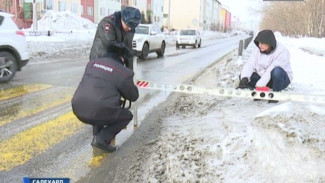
{"points": [[267, 37], [131, 17]]}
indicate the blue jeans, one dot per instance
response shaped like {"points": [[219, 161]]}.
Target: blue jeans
{"points": [[279, 79]]}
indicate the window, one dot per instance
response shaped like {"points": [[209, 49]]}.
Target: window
{"points": [[187, 32], [48, 5], [89, 10], [102, 11], [156, 29], [21, 3], [142, 30], [62, 6], [82, 9], [74, 8]]}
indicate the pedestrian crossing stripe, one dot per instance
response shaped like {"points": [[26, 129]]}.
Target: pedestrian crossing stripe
{"points": [[36, 104], [22, 147], [22, 90]]}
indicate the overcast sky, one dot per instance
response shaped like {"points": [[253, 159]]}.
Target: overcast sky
{"points": [[244, 9]]}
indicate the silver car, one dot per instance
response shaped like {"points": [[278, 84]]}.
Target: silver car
{"points": [[148, 38], [189, 38]]}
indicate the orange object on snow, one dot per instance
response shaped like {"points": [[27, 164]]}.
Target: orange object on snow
{"points": [[265, 88]]}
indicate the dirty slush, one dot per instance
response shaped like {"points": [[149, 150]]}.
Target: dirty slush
{"points": [[200, 138]]}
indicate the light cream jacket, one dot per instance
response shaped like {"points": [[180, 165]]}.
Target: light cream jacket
{"points": [[263, 64]]}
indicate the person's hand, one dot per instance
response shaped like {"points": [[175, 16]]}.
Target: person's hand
{"points": [[135, 53], [243, 83]]}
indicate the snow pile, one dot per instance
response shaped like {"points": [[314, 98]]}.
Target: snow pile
{"points": [[71, 37], [64, 22], [313, 46], [212, 139]]}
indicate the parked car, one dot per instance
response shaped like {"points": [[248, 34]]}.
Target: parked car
{"points": [[189, 38], [13, 48], [148, 38]]}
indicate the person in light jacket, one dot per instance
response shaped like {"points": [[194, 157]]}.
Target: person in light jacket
{"points": [[268, 66]]}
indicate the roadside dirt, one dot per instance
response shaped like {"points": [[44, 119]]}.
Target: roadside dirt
{"points": [[130, 162], [200, 138]]}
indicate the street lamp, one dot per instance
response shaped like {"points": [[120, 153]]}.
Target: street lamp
{"points": [[168, 15]]}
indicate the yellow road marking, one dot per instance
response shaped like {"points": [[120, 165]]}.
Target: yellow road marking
{"points": [[33, 106], [24, 146], [97, 160], [22, 90]]}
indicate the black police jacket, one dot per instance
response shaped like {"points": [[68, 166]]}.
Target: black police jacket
{"points": [[98, 95], [110, 31]]}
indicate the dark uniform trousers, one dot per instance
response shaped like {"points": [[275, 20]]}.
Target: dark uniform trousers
{"points": [[111, 127], [107, 129]]}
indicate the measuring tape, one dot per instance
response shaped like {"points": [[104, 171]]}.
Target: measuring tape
{"points": [[231, 92]]}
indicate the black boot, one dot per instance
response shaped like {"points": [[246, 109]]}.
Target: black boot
{"points": [[102, 144]]}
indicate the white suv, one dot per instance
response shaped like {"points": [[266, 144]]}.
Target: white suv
{"points": [[13, 52], [148, 38], [189, 38]]}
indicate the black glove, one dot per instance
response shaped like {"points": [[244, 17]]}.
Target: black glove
{"points": [[129, 63], [135, 53], [243, 83]]}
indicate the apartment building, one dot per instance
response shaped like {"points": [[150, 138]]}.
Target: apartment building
{"points": [[199, 14], [155, 12], [226, 19], [104, 8], [151, 10], [20, 10], [94, 10]]}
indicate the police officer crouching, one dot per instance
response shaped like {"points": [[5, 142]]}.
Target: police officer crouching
{"points": [[97, 100]]}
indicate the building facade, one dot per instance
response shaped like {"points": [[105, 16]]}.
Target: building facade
{"points": [[226, 19], [155, 12], [105, 8], [87, 9], [199, 14], [173, 14], [21, 10]]}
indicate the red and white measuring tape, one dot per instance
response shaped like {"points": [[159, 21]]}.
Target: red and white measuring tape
{"points": [[261, 93]]}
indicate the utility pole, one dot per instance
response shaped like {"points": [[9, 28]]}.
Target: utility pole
{"points": [[34, 16], [168, 15]]}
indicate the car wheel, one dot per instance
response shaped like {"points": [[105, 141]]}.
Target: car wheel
{"points": [[161, 52], [8, 66], [199, 45], [177, 45], [194, 46], [145, 51]]}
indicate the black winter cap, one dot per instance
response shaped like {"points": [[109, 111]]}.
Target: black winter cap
{"points": [[119, 49], [131, 17], [267, 37]]}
